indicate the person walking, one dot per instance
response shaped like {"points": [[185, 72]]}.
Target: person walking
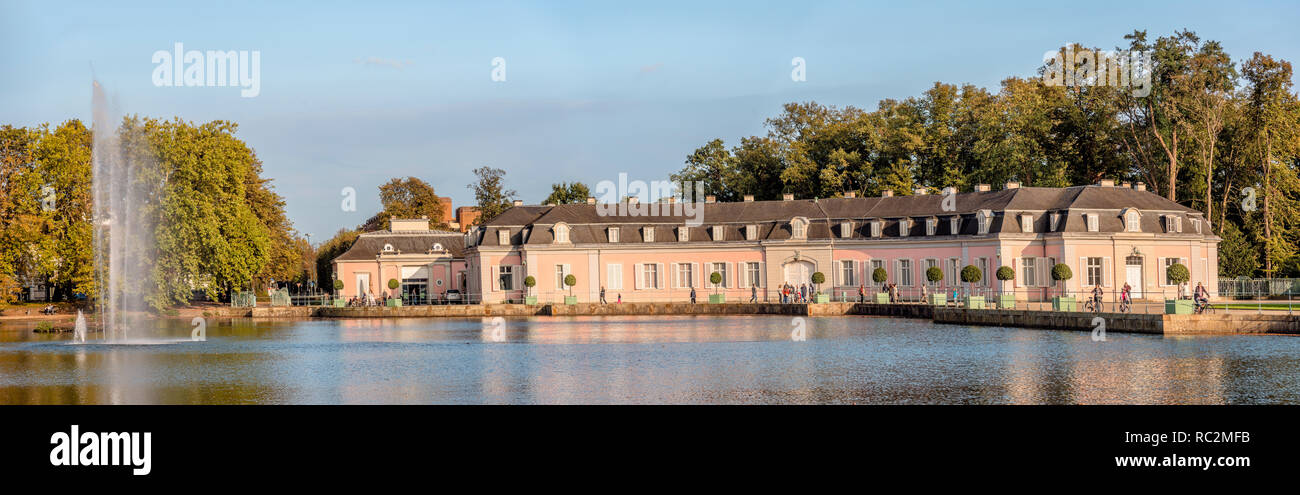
{"points": [[803, 292], [753, 293], [692, 295], [602, 295], [862, 293]]}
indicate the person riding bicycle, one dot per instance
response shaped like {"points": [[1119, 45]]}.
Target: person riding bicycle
{"points": [[1126, 294], [1202, 296], [1096, 297]]}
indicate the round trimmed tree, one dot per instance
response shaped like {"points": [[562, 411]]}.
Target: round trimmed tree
{"points": [[570, 281], [971, 274], [1061, 272], [338, 284], [934, 274], [715, 278], [1004, 274], [393, 283], [879, 275], [1178, 274], [530, 282], [818, 278]]}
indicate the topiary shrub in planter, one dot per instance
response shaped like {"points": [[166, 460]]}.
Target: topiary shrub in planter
{"points": [[1005, 301], [715, 278], [570, 281], [1061, 273], [819, 278], [1178, 274], [879, 276], [530, 282], [972, 275]]}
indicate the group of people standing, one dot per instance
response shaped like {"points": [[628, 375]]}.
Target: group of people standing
{"points": [[795, 295]]}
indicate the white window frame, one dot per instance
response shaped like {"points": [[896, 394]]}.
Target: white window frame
{"points": [[1055, 220], [1094, 222], [846, 229], [614, 276], [718, 233], [1026, 223], [648, 234], [848, 273], [503, 237], [722, 268], [954, 225], [798, 228], [684, 275], [753, 273], [931, 225], [684, 234], [905, 276], [505, 275], [1094, 271], [561, 271], [1132, 221], [612, 232], [904, 227], [751, 232], [876, 228]]}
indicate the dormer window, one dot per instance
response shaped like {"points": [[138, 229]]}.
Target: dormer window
{"points": [[388, 248], [612, 232], [1196, 225], [751, 232], [718, 234], [683, 234], [904, 227], [437, 248], [954, 225], [503, 237], [1055, 220], [985, 220], [1094, 222], [876, 227], [930, 226], [846, 229], [1026, 222], [1173, 223], [648, 234], [799, 228], [561, 233], [1132, 221]]}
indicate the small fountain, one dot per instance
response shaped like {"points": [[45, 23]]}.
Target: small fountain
{"points": [[79, 330]]}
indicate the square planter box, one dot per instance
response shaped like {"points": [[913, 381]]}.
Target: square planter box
{"points": [[882, 298], [570, 300], [1179, 306], [1064, 304], [394, 303], [974, 302], [530, 300], [1007, 301], [822, 298], [339, 303], [717, 298], [938, 299]]}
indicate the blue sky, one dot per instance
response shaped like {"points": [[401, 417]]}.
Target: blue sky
{"points": [[354, 93]]}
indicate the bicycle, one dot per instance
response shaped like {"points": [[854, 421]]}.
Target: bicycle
{"points": [[1125, 305], [1092, 306], [1204, 308]]}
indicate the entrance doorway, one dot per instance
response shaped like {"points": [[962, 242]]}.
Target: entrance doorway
{"points": [[798, 272], [363, 284], [1133, 275]]}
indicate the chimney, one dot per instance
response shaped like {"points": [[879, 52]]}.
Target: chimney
{"points": [[1126, 185], [787, 197], [749, 198], [710, 199], [1107, 183], [982, 188], [1141, 186], [850, 194], [591, 200], [632, 200], [921, 191], [519, 202], [672, 200], [1012, 185], [887, 193]]}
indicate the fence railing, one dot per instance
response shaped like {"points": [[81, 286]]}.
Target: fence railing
{"points": [[1258, 288]]}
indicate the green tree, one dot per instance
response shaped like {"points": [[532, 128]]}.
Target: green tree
{"points": [[489, 191], [406, 198], [566, 193]]}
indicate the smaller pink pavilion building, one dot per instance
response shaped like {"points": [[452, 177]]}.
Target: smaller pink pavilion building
{"points": [[426, 263]]}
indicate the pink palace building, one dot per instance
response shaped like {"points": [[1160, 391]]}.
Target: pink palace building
{"points": [[1107, 234]]}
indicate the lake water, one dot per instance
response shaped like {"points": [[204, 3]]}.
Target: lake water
{"points": [[599, 360]]}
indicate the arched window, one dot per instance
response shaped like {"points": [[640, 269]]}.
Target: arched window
{"points": [[799, 228], [1132, 220], [561, 233]]}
